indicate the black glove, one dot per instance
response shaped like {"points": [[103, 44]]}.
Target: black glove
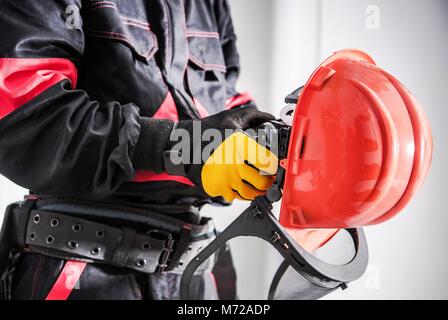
{"points": [[197, 149]]}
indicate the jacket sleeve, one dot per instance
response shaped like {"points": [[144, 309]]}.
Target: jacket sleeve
{"points": [[231, 56], [53, 138]]}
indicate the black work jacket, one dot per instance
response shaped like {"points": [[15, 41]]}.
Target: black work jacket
{"points": [[86, 88]]}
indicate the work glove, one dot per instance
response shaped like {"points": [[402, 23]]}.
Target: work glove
{"points": [[217, 154]]}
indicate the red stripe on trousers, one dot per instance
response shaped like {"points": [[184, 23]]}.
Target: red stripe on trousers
{"points": [[67, 280], [23, 79]]}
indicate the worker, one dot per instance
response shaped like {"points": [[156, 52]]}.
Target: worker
{"points": [[95, 97]]}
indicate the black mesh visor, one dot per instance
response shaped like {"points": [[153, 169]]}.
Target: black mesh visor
{"points": [[271, 264]]}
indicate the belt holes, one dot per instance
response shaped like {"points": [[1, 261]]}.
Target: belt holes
{"points": [[72, 244], [146, 245], [190, 248], [36, 218], [100, 233], [54, 222], [33, 236], [76, 227], [95, 251], [141, 263], [181, 263], [50, 239]]}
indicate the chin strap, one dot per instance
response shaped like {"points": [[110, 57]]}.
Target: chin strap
{"points": [[258, 221]]}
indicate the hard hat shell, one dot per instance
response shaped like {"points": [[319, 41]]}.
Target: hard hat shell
{"points": [[360, 147]]}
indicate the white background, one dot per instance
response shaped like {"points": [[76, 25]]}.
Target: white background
{"points": [[280, 43]]}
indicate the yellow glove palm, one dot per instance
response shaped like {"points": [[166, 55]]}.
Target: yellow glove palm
{"points": [[239, 168]]}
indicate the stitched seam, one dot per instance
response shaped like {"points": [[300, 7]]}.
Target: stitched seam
{"points": [[206, 66], [37, 275], [146, 24], [120, 36], [107, 4], [203, 34], [136, 25], [155, 47], [33, 60], [105, 34], [198, 35], [130, 21], [93, 5], [115, 35], [102, 6], [125, 38]]}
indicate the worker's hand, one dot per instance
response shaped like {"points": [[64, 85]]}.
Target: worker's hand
{"points": [[222, 158], [239, 168]]}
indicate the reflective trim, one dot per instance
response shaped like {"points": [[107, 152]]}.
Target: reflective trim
{"points": [[23, 79]]}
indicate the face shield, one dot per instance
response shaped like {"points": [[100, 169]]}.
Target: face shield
{"points": [[310, 263], [354, 147]]}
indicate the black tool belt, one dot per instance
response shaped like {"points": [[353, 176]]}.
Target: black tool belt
{"points": [[122, 236]]}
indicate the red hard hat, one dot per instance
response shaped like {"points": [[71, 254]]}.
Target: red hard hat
{"points": [[360, 147]]}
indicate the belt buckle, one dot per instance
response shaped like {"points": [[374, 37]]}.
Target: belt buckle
{"points": [[166, 252]]}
